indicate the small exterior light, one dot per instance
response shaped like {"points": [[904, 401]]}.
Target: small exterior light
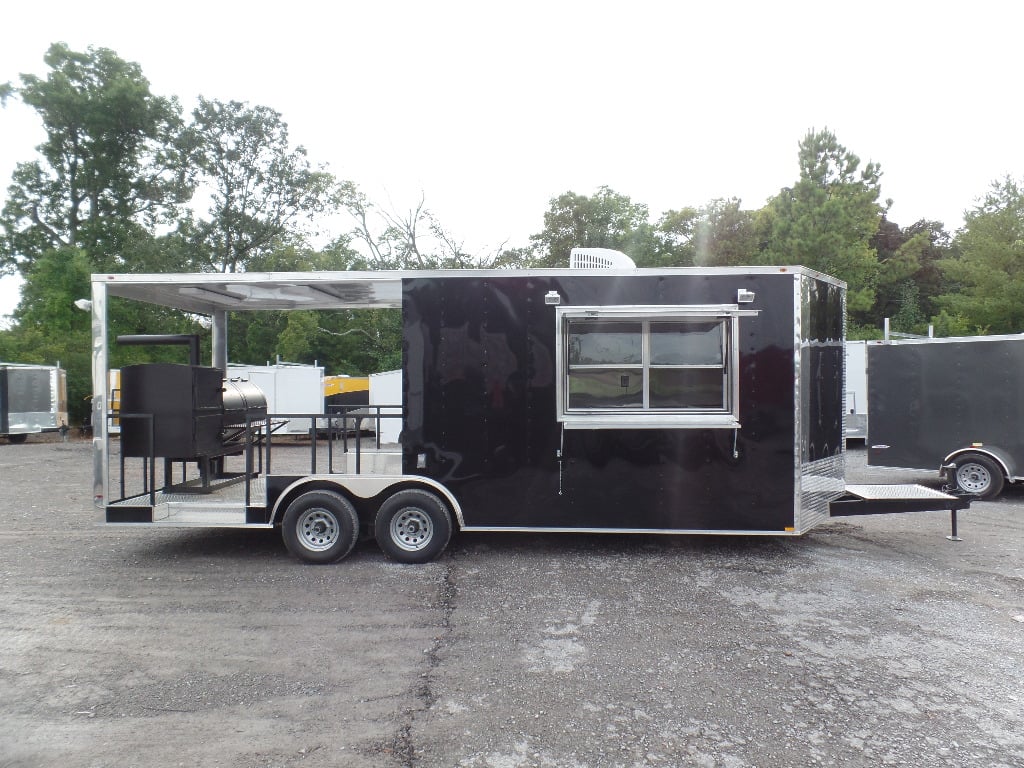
{"points": [[552, 298], [743, 296]]}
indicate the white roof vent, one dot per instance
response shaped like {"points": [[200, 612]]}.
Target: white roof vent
{"points": [[599, 258]]}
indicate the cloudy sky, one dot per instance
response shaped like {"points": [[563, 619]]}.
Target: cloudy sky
{"points": [[489, 110]]}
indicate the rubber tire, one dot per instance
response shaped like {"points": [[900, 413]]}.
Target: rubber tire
{"points": [[422, 506], [976, 466], [334, 510], [17, 439]]}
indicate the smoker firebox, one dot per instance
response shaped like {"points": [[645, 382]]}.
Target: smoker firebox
{"points": [[185, 402], [193, 410]]}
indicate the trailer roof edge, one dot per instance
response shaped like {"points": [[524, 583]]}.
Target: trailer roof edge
{"points": [[209, 292]]}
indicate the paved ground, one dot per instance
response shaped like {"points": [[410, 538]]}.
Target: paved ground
{"points": [[869, 642]]}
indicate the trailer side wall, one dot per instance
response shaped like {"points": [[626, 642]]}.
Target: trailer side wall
{"points": [[820, 400], [479, 395]]}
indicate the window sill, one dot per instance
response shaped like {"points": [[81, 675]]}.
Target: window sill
{"points": [[652, 421]]}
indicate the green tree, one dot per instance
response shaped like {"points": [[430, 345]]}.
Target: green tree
{"points": [[675, 237], [985, 288], [726, 235], [827, 219], [908, 276], [604, 220], [263, 195], [414, 239], [718, 234], [361, 342], [929, 277], [109, 169]]}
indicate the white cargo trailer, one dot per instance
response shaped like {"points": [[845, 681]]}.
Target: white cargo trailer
{"points": [[289, 388], [386, 404], [33, 399], [856, 390]]}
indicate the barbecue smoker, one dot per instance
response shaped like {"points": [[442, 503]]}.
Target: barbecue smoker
{"points": [[186, 413]]}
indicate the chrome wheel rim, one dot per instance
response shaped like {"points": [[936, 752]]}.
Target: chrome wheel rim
{"points": [[318, 529], [412, 529], [973, 477]]}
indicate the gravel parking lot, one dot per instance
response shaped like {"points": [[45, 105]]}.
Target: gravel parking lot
{"points": [[868, 642]]}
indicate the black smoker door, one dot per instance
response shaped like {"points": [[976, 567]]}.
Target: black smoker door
{"points": [[184, 402]]}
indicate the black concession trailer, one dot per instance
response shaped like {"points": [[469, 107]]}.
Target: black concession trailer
{"points": [[955, 405], [677, 401]]}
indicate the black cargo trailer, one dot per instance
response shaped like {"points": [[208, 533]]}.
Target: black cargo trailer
{"points": [[705, 401], [955, 405]]}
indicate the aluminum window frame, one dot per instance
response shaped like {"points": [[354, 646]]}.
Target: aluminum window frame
{"points": [[644, 416]]}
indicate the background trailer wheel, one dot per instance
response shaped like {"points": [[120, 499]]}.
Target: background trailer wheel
{"points": [[413, 526], [978, 474], [320, 527]]}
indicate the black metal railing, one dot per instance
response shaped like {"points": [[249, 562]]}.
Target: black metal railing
{"points": [[338, 424], [255, 439], [148, 462]]}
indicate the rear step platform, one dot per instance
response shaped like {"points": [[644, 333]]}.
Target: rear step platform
{"points": [[891, 499]]}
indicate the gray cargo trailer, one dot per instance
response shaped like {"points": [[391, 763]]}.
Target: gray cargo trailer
{"points": [[33, 399], [955, 405]]}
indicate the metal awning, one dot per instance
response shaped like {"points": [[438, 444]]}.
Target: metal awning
{"points": [[249, 291]]}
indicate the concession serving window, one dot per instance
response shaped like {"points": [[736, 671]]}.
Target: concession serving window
{"points": [[629, 367]]}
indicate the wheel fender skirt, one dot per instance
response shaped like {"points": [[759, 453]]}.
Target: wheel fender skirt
{"points": [[1003, 458], [889, 499]]}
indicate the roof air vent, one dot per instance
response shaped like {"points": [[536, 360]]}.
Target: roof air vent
{"points": [[599, 258]]}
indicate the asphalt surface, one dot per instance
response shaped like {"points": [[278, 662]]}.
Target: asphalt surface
{"points": [[868, 642]]}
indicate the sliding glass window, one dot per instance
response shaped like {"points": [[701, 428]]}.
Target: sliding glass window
{"points": [[662, 366]]}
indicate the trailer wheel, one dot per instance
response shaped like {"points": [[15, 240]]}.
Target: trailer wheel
{"points": [[320, 527], [17, 439], [413, 526], [980, 475]]}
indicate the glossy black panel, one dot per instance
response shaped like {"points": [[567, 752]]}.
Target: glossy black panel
{"points": [[479, 395], [129, 514], [821, 381], [822, 361]]}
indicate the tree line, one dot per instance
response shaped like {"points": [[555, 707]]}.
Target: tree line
{"points": [[126, 181]]}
